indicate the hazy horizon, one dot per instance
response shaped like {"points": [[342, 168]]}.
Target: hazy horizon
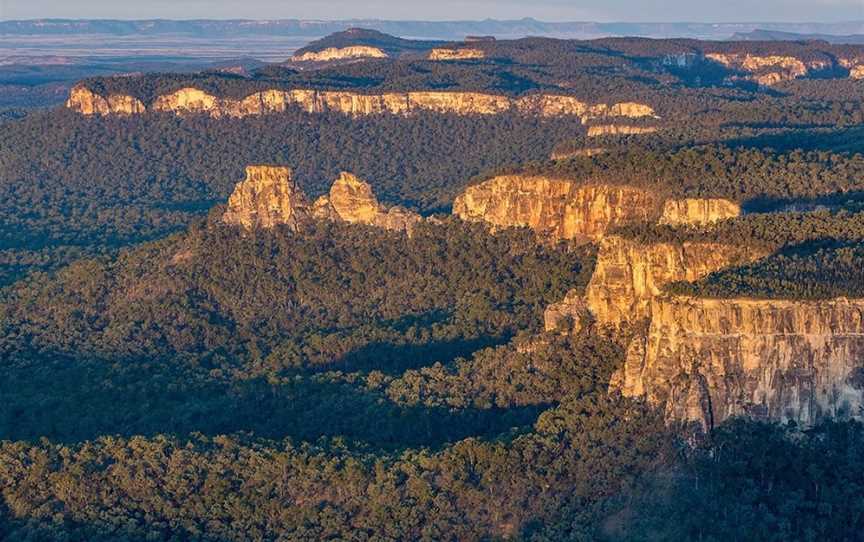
{"points": [[624, 11]]}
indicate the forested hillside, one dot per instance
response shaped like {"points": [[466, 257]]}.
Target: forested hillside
{"points": [[168, 375]]}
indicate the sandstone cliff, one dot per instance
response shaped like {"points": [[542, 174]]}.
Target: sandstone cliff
{"points": [[619, 129], [341, 53], [704, 360], [87, 102], [266, 197], [192, 100], [351, 200], [565, 155], [629, 275], [555, 208], [698, 211], [770, 69], [456, 54], [269, 197]]}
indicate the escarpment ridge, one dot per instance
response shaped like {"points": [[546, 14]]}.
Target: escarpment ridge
{"points": [[269, 196], [704, 360], [564, 209], [193, 100]]}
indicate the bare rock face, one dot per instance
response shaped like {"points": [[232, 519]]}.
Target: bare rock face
{"points": [[351, 200], [341, 53], [698, 211], [628, 275], [566, 155], [619, 129], [705, 360], [456, 54], [267, 197], [87, 102], [555, 208], [770, 69], [195, 101]]}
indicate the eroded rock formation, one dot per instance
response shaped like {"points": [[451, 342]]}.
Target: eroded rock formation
{"points": [[705, 360], [698, 211], [456, 54], [352, 200], [341, 53], [771, 69], [192, 100], [555, 208], [87, 102], [268, 197]]}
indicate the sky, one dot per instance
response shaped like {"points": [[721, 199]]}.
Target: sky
{"points": [[549, 10]]}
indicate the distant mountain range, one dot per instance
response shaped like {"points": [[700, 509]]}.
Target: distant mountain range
{"points": [[777, 35], [423, 29]]}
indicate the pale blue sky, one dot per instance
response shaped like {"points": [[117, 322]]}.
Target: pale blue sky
{"points": [[571, 10]]}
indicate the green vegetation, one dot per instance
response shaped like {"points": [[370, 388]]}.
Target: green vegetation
{"points": [[72, 186], [740, 174], [817, 270], [169, 378]]}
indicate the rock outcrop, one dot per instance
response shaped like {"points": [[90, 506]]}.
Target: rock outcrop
{"points": [[269, 197], [566, 155], [87, 102], [195, 101], [629, 275], [351, 200], [705, 360], [340, 53], [555, 208], [619, 129], [698, 211], [456, 54], [770, 69]]}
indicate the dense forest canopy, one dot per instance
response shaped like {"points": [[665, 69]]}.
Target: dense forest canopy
{"points": [[745, 175], [167, 377], [70, 185]]}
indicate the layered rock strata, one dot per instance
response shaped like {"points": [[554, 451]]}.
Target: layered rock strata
{"points": [[769, 70], [268, 196], [195, 101]]}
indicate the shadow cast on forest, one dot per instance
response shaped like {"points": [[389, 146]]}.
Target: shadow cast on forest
{"points": [[70, 401]]}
